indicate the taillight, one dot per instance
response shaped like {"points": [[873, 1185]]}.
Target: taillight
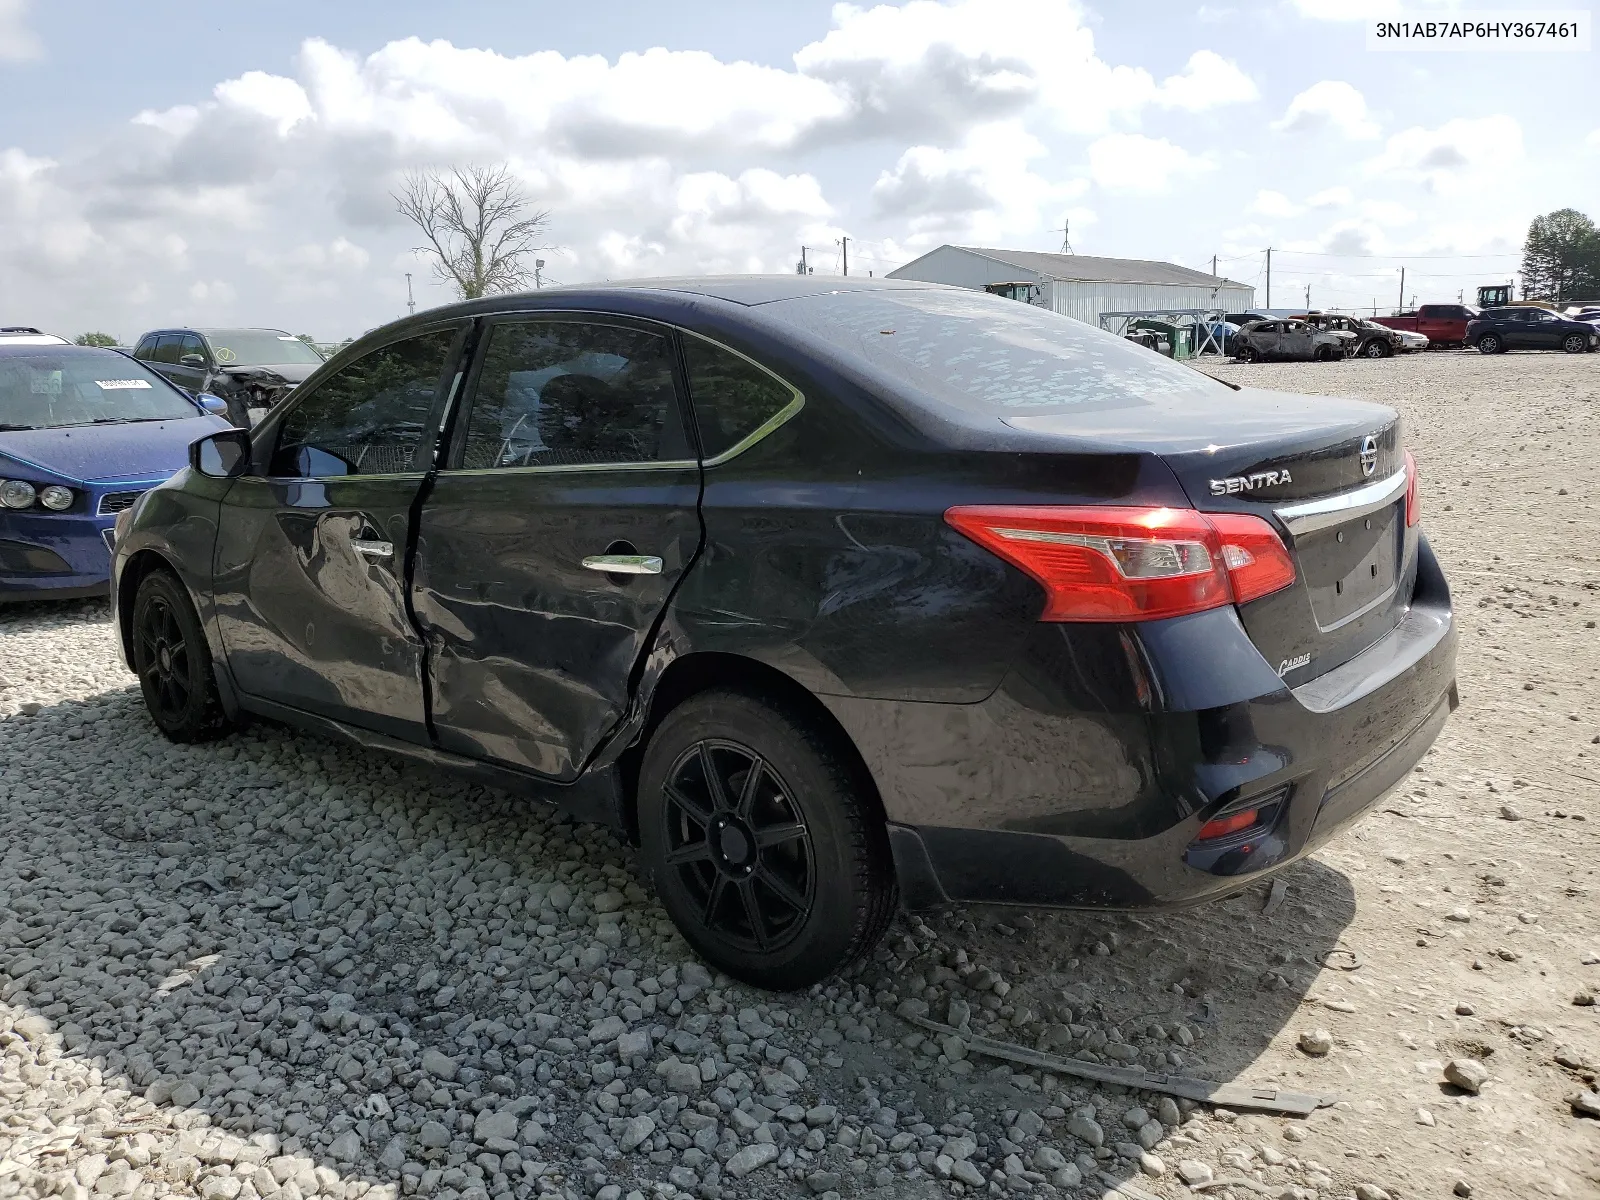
{"points": [[1131, 564], [1413, 504], [1221, 827]]}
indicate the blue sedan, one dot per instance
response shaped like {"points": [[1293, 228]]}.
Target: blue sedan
{"points": [[83, 432]]}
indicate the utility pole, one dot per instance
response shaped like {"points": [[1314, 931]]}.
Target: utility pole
{"points": [[844, 244], [1402, 290], [538, 273], [1308, 297], [411, 301], [1269, 279], [1213, 266], [802, 270]]}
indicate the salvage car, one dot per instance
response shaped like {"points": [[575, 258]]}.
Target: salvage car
{"points": [[251, 369], [829, 594], [1524, 327], [1368, 340], [82, 432], [1290, 340]]}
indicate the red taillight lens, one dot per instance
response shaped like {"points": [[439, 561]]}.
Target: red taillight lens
{"points": [[1131, 564], [1221, 827], [1413, 504]]}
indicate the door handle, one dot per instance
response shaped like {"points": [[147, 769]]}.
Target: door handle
{"points": [[372, 549], [624, 564]]}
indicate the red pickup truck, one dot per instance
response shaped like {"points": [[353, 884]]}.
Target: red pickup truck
{"points": [[1441, 324]]}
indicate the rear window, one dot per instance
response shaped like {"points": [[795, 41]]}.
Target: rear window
{"points": [[52, 390], [990, 355]]}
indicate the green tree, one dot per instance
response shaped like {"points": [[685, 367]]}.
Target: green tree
{"points": [[96, 339], [1561, 257]]}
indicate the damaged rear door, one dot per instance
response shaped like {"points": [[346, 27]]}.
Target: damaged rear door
{"points": [[552, 540]]}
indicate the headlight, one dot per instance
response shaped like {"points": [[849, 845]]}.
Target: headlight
{"points": [[14, 493], [56, 498]]}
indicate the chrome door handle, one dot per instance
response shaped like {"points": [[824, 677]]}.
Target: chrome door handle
{"points": [[624, 564], [372, 549]]}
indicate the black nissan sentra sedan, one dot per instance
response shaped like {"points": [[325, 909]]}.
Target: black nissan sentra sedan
{"points": [[830, 594]]}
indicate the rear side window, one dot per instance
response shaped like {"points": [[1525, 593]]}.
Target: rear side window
{"points": [[368, 419], [733, 398], [166, 348], [558, 393]]}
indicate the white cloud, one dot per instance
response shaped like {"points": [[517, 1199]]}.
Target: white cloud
{"points": [[1131, 162], [1345, 10], [1444, 159], [17, 41], [1330, 104], [1207, 81], [1334, 197], [1593, 140], [1388, 212], [1274, 204]]}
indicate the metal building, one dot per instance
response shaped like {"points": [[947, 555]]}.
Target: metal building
{"points": [[1077, 285]]}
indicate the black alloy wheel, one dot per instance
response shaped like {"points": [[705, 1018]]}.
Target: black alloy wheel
{"points": [[754, 825], [739, 844], [1575, 343], [1246, 354], [173, 662], [1490, 343]]}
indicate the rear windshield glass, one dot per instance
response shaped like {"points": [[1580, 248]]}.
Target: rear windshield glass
{"points": [[991, 355], [48, 390], [259, 348]]}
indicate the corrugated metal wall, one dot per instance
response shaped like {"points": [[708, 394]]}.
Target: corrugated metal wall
{"points": [[1086, 301]]}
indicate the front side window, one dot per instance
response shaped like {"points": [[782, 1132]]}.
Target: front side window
{"points": [[166, 349], [733, 398], [554, 393], [191, 344], [368, 419]]}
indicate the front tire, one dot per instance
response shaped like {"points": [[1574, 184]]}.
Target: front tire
{"points": [[1490, 343], [1377, 348], [173, 662], [1575, 343], [762, 842]]}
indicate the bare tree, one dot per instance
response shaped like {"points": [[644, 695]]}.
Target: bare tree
{"points": [[479, 224]]}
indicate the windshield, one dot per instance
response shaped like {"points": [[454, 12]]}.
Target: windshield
{"points": [[258, 348], [993, 356], [49, 390]]}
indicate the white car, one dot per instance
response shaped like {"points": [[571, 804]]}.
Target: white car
{"points": [[1410, 340], [27, 335]]}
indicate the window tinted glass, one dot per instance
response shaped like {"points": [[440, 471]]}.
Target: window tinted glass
{"points": [[166, 350], [191, 344], [732, 396], [369, 418], [145, 348], [571, 393]]}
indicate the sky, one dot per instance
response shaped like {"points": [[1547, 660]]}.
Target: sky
{"points": [[168, 163]]}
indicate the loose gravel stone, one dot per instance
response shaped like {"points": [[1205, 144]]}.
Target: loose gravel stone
{"points": [[1466, 1073]]}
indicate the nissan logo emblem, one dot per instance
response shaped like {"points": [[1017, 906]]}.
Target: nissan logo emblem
{"points": [[1369, 454]]}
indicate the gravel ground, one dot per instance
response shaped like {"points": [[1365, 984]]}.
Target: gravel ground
{"points": [[276, 966]]}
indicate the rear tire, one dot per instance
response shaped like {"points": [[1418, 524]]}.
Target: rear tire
{"points": [[762, 841], [1575, 343], [1490, 343], [1246, 354], [173, 662], [1377, 348]]}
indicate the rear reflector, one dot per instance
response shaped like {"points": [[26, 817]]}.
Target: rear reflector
{"points": [[1221, 827], [1131, 564], [1413, 504]]}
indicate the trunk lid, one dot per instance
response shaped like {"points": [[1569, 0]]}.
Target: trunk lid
{"points": [[1323, 471], [1331, 477]]}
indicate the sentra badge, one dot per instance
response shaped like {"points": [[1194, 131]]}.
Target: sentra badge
{"points": [[1248, 483]]}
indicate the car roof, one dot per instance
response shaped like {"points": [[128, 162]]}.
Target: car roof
{"points": [[27, 335], [220, 330]]}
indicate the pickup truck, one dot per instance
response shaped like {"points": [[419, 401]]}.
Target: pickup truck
{"points": [[1441, 324]]}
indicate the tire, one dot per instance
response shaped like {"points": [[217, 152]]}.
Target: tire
{"points": [[1376, 348], [173, 662], [1246, 354], [1575, 343], [1490, 343], [780, 880]]}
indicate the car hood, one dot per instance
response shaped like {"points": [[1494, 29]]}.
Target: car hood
{"points": [[293, 372], [106, 453]]}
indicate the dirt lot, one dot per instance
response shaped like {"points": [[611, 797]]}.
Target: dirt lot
{"points": [[279, 967]]}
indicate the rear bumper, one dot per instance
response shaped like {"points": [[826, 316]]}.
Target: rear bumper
{"points": [[1085, 779]]}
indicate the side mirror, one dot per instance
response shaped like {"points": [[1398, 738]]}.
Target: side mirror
{"points": [[212, 404], [192, 360], [223, 455]]}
